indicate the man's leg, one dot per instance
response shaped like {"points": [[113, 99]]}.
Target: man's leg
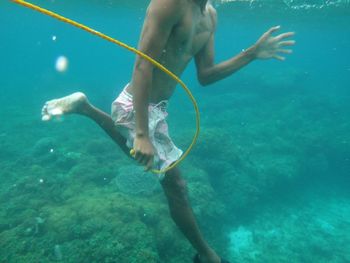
{"points": [[173, 185], [77, 103], [176, 192]]}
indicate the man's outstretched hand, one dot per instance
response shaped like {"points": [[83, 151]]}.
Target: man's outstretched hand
{"points": [[269, 46]]}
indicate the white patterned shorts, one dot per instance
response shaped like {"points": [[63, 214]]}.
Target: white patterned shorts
{"points": [[123, 115]]}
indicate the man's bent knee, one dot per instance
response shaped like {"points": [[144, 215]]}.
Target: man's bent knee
{"points": [[174, 184]]}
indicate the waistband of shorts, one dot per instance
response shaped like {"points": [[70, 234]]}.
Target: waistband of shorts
{"points": [[126, 95], [163, 104]]}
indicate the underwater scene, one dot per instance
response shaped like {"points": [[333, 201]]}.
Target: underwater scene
{"points": [[268, 178]]}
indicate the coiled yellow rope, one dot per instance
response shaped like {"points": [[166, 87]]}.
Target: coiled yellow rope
{"points": [[141, 54]]}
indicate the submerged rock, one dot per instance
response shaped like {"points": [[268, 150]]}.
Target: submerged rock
{"points": [[57, 252], [43, 146], [132, 179]]}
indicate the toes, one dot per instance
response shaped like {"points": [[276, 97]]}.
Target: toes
{"points": [[49, 110], [59, 107], [44, 114], [55, 111], [44, 108], [45, 117]]}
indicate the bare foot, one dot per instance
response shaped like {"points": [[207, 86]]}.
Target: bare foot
{"points": [[74, 103]]}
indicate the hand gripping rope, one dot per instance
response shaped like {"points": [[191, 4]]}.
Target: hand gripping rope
{"points": [[137, 52]]}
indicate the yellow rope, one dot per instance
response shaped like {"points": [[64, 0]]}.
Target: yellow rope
{"points": [[141, 54]]}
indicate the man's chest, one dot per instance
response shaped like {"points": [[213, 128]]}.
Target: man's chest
{"points": [[192, 33]]}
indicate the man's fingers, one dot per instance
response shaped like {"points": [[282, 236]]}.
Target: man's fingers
{"points": [[286, 43], [268, 33], [284, 35], [285, 51], [144, 159], [273, 29], [140, 158], [279, 57], [149, 164]]}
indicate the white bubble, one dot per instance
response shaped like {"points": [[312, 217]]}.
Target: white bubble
{"points": [[61, 64], [54, 38], [41, 180], [51, 150]]}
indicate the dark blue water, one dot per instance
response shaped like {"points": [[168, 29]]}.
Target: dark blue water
{"points": [[268, 178]]}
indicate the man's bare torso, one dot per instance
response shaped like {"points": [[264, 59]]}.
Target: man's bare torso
{"points": [[186, 39]]}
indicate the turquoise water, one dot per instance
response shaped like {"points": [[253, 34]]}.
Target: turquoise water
{"points": [[268, 179]]}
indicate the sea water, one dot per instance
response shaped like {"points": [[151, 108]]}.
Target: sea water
{"points": [[268, 179]]}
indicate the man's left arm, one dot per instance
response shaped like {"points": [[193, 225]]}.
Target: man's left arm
{"points": [[266, 47]]}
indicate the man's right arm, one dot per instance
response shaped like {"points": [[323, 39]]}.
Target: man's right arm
{"points": [[161, 17], [266, 47]]}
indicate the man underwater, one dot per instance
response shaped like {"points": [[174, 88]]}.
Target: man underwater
{"points": [[174, 32]]}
